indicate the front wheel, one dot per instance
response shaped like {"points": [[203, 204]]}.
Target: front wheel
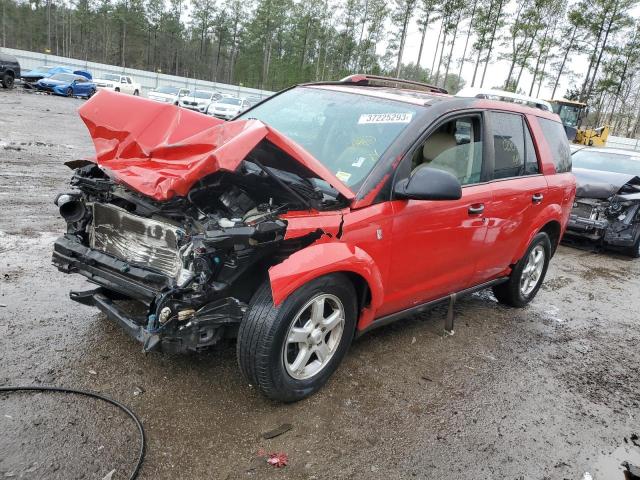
{"points": [[7, 80], [527, 275], [69, 92], [289, 351], [136, 93], [634, 251]]}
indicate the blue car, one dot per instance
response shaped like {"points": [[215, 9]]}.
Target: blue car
{"points": [[67, 84], [44, 71]]}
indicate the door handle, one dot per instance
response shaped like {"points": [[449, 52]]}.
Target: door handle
{"points": [[476, 209], [537, 197]]}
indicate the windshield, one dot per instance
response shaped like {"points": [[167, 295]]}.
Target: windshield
{"points": [[113, 78], [569, 115], [168, 90], [347, 133], [64, 77], [202, 94], [230, 101], [607, 161]]}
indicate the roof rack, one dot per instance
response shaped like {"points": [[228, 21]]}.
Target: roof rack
{"points": [[504, 96], [379, 81]]}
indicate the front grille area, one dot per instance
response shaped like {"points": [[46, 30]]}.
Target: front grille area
{"points": [[583, 210], [139, 241]]}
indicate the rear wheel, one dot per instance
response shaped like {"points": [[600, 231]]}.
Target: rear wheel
{"points": [[527, 275], [291, 350], [136, 93], [69, 92], [117, 89], [7, 80]]}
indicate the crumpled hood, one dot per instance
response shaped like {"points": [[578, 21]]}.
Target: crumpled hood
{"points": [[161, 150], [599, 184]]}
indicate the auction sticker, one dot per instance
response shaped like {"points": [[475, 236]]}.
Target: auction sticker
{"points": [[366, 118], [343, 176]]}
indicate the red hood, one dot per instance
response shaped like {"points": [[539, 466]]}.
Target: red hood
{"points": [[161, 150]]}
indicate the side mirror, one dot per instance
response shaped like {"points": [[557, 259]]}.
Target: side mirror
{"points": [[429, 184]]}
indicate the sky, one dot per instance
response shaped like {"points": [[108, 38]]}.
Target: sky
{"points": [[496, 71]]}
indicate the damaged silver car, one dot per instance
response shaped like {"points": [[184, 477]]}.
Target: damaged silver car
{"points": [[607, 205]]}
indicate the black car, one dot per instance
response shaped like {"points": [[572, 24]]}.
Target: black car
{"points": [[606, 210], [9, 70]]}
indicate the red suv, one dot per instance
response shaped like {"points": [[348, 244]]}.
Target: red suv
{"points": [[321, 213]]}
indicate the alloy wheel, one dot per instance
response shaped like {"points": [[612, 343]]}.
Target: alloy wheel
{"points": [[314, 336], [532, 271]]}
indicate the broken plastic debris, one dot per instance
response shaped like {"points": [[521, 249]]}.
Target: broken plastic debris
{"points": [[285, 427], [138, 391], [278, 459], [587, 476], [109, 475], [93, 372]]}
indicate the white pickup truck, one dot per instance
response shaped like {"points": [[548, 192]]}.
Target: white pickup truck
{"points": [[118, 83]]}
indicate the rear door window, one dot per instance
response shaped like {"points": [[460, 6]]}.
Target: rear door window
{"points": [[507, 135], [556, 138]]}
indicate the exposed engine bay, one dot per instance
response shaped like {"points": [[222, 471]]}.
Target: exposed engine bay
{"points": [[192, 261], [606, 209]]}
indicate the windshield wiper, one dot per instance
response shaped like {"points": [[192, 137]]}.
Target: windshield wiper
{"points": [[275, 178]]}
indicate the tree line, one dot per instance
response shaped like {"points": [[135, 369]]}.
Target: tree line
{"points": [[272, 44]]}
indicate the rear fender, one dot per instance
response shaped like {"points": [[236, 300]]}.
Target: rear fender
{"points": [[321, 259], [550, 213]]}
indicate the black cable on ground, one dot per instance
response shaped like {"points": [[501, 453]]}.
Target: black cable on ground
{"points": [[99, 396]]}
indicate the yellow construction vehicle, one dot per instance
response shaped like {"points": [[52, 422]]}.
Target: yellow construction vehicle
{"points": [[572, 113]]}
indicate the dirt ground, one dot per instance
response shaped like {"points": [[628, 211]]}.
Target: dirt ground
{"points": [[547, 392]]}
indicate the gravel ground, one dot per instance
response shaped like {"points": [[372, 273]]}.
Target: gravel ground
{"points": [[547, 392]]}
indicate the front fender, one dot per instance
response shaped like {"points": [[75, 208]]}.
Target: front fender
{"points": [[60, 89], [320, 259], [550, 213]]}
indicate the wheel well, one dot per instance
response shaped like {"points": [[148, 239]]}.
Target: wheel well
{"points": [[363, 292], [553, 230]]}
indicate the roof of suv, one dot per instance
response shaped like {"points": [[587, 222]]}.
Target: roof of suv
{"points": [[415, 97], [419, 93], [422, 98]]}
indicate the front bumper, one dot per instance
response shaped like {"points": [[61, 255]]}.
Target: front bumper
{"points": [[195, 108], [224, 115], [602, 231], [586, 227], [189, 330]]}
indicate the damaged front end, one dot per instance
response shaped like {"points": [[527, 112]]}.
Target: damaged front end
{"points": [[177, 273], [606, 209]]}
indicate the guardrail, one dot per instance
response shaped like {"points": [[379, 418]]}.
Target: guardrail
{"points": [[148, 80]]}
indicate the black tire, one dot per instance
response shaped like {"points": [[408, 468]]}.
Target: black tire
{"points": [[117, 89], [263, 331], [7, 80], [634, 252], [92, 92], [136, 93], [69, 92], [510, 293]]}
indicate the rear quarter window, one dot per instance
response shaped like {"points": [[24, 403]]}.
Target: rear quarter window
{"points": [[558, 144]]}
